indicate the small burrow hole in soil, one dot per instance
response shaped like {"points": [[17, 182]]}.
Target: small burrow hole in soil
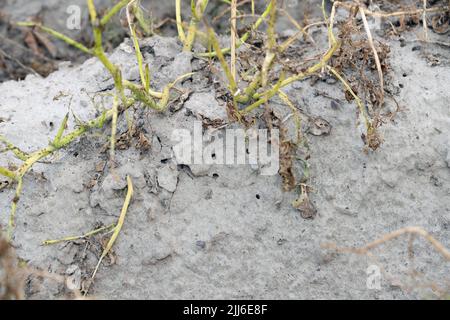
{"points": [[258, 196], [75, 154], [215, 176]]}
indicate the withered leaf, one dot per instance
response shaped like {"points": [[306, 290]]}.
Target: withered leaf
{"points": [[43, 39], [31, 42], [144, 143], [2, 62], [305, 206]]}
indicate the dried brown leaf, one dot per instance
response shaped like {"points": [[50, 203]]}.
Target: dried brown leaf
{"points": [[31, 42], [44, 40]]}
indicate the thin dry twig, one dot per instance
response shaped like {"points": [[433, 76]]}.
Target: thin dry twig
{"points": [[400, 13], [390, 236], [424, 20]]}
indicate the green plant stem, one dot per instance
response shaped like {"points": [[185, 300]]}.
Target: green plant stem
{"points": [[11, 222], [272, 42], [141, 93], [181, 34], [223, 63], [115, 115], [145, 26], [45, 152], [244, 37], [197, 14], [99, 52], [144, 94], [84, 236], [21, 155], [250, 90], [137, 48], [92, 13], [267, 96], [310, 71], [329, 23], [130, 85], [118, 226], [323, 62], [7, 173], [113, 11], [61, 129]]}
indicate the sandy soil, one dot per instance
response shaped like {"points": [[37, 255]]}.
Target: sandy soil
{"points": [[213, 231]]}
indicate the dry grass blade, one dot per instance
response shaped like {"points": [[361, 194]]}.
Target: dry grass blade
{"points": [[233, 38], [118, 227], [400, 13], [4, 54], [349, 89], [301, 30], [395, 234], [424, 20], [375, 54], [412, 233], [298, 128], [84, 236]]}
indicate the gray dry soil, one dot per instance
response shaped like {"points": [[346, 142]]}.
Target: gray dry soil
{"points": [[216, 231]]}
